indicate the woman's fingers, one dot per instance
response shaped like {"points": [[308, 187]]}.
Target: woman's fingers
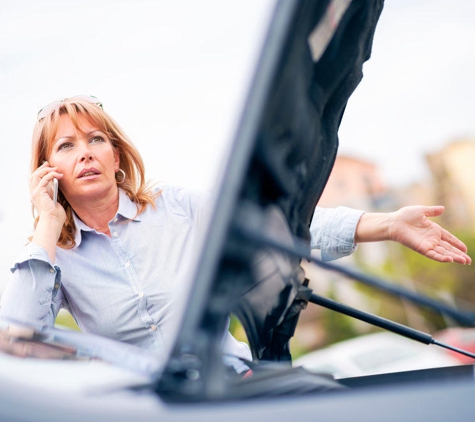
{"points": [[41, 190], [445, 252], [453, 240], [41, 171], [432, 210], [44, 175]]}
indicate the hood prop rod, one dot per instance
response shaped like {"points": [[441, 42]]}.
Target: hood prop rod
{"points": [[384, 323], [301, 249]]}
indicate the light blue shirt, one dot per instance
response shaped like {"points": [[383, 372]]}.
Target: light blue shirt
{"points": [[122, 287], [333, 231]]}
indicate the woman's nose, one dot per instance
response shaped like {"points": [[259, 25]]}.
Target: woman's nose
{"points": [[86, 154], [86, 157]]}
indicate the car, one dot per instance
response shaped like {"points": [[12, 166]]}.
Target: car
{"points": [[248, 265], [460, 337], [375, 353]]}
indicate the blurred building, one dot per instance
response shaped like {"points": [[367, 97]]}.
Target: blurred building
{"points": [[417, 193], [453, 175], [354, 183], [358, 183]]}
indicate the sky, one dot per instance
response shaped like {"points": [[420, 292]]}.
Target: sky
{"points": [[418, 90], [174, 74]]}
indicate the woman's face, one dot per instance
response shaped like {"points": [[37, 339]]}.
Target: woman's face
{"points": [[86, 159]]}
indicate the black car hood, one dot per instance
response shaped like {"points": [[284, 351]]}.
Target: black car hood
{"points": [[282, 155]]}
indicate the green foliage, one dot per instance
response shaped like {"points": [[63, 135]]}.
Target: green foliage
{"points": [[65, 320], [454, 279], [237, 330], [337, 326], [449, 283]]}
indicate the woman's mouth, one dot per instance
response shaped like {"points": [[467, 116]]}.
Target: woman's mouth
{"points": [[88, 173]]}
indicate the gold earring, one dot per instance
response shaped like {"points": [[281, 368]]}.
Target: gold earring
{"points": [[123, 177]]}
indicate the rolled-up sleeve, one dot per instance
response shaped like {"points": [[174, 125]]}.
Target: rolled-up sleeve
{"points": [[333, 231], [33, 294]]}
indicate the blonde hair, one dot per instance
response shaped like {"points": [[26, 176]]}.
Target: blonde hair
{"points": [[134, 184]]}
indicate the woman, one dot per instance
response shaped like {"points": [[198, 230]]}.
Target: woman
{"points": [[108, 255], [112, 250]]}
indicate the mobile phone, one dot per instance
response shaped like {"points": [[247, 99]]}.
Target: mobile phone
{"points": [[55, 190]]}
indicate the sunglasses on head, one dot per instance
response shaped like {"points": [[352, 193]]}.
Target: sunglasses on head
{"points": [[47, 110]]}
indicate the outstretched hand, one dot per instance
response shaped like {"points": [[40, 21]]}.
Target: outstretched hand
{"points": [[410, 226]]}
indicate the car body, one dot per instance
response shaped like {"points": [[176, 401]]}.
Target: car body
{"points": [[375, 353], [248, 265]]}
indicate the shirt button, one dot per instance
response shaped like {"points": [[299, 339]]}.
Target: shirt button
{"points": [[127, 264], [115, 220], [56, 286], [51, 270], [153, 327], [141, 295], [115, 234]]}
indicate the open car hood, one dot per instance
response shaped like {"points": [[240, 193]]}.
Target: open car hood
{"points": [[280, 161]]}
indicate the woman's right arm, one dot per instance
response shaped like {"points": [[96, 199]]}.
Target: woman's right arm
{"points": [[33, 294], [51, 216]]}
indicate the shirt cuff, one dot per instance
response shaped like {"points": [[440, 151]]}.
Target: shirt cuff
{"points": [[333, 231], [31, 251]]}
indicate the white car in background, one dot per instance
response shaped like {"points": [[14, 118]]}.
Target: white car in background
{"points": [[376, 353]]}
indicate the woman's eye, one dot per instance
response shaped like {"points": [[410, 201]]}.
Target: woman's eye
{"points": [[65, 146], [96, 139]]}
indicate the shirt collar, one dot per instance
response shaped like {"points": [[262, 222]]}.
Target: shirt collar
{"points": [[127, 210]]}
